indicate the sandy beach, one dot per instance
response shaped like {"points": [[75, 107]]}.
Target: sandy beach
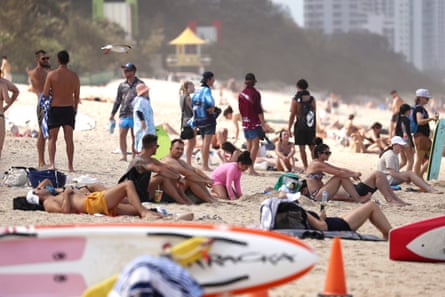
{"points": [[369, 271]]}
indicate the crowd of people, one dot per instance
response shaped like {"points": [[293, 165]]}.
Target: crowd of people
{"points": [[57, 92]]}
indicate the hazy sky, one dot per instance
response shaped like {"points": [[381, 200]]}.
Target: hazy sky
{"points": [[295, 7]]}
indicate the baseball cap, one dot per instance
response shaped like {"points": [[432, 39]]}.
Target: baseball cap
{"points": [[32, 198], [129, 66], [250, 76], [398, 140], [423, 93]]}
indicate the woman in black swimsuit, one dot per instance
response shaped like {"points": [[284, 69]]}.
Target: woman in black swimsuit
{"points": [[352, 220]]}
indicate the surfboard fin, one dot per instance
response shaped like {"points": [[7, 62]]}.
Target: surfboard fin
{"points": [[189, 251]]}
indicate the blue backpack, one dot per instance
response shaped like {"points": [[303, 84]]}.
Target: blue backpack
{"points": [[412, 121]]}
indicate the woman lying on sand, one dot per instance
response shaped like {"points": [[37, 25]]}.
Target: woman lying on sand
{"points": [[121, 199], [351, 221]]}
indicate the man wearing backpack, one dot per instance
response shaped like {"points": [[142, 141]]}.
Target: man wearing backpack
{"points": [[422, 139], [303, 113]]}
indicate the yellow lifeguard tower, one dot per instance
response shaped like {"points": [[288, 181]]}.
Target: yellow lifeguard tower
{"points": [[188, 51]]}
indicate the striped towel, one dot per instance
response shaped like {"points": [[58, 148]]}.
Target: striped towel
{"points": [[45, 104], [147, 276]]}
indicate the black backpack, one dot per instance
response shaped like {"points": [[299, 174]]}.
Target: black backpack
{"points": [[277, 213], [306, 119]]}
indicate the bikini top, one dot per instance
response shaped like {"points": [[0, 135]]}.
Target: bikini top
{"points": [[315, 175]]}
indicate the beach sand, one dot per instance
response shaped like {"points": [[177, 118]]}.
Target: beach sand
{"points": [[369, 272]]}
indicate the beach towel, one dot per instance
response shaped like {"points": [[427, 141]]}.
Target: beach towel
{"points": [[155, 277], [317, 234], [45, 104]]}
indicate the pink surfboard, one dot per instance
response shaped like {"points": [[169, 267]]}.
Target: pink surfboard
{"points": [[422, 241]]}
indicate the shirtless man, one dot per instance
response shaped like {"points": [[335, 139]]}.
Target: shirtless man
{"points": [[37, 78], [165, 177], [195, 180], [121, 199], [6, 69], [396, 102], [64, 85], [5, 87]]}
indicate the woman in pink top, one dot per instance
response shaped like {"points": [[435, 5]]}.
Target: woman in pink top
{"points": [[230, 173]]}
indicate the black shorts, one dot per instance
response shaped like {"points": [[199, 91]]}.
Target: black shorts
{"points": [[337, 224], [304, 136], [395, 117], [363, 189], [61, 116]]}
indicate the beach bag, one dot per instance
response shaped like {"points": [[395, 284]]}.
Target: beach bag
{"points": [[16, 176], [413, 120], [290, 179], [279, 213], [140, 180], [187, 132], [56, 177]]}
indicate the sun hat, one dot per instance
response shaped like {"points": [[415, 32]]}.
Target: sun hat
{"points": [[32, 198], [141, 89], [398, 140], [423, 93]]}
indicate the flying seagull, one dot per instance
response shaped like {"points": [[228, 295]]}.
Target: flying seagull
{"points": [[117, 48]]}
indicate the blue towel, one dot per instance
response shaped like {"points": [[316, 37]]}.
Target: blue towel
{"points": [[45, 104]]}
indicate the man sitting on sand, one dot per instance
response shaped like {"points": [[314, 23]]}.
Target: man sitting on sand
{"points": [[121, 199], [195, 180], [165, 177]]}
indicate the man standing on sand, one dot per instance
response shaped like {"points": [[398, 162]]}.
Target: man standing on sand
{"points": [[37, 78], [5, 87], [252, 117], [126, 92], [195, 180], [396, 103], [6, 69], [62, 86]]}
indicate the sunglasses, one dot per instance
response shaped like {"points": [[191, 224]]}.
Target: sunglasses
{"points": [[328, 153], [45, 58], [127, 70]]}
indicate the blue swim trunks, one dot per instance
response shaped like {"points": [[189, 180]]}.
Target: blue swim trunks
{"points": [[126, 123]]}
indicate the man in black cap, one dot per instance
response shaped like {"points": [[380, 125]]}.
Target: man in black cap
{"points": [[126, 92], [252, 117]]}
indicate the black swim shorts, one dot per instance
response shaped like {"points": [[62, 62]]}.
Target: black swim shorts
{"points": [[363, 189], [61, 116]]}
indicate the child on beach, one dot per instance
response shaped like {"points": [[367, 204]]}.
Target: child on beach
{"points": [[143, 116], [228, 175]]}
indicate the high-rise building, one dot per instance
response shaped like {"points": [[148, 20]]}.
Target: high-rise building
{"points": [[413, 28]]}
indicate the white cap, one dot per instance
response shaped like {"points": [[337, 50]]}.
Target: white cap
{"points": [[423, 93], [32, 198], [398, 140]]}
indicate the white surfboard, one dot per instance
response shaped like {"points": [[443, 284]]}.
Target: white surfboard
{"points": [[66, 260]]}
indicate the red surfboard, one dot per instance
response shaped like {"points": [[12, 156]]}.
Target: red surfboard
{"points": [[422, 241]]}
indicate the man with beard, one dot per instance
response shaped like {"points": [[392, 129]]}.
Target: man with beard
{"points": [[37, 78]]}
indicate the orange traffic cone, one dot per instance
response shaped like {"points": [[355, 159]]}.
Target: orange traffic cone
{"points": [[262, 293], [335, 277]]}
